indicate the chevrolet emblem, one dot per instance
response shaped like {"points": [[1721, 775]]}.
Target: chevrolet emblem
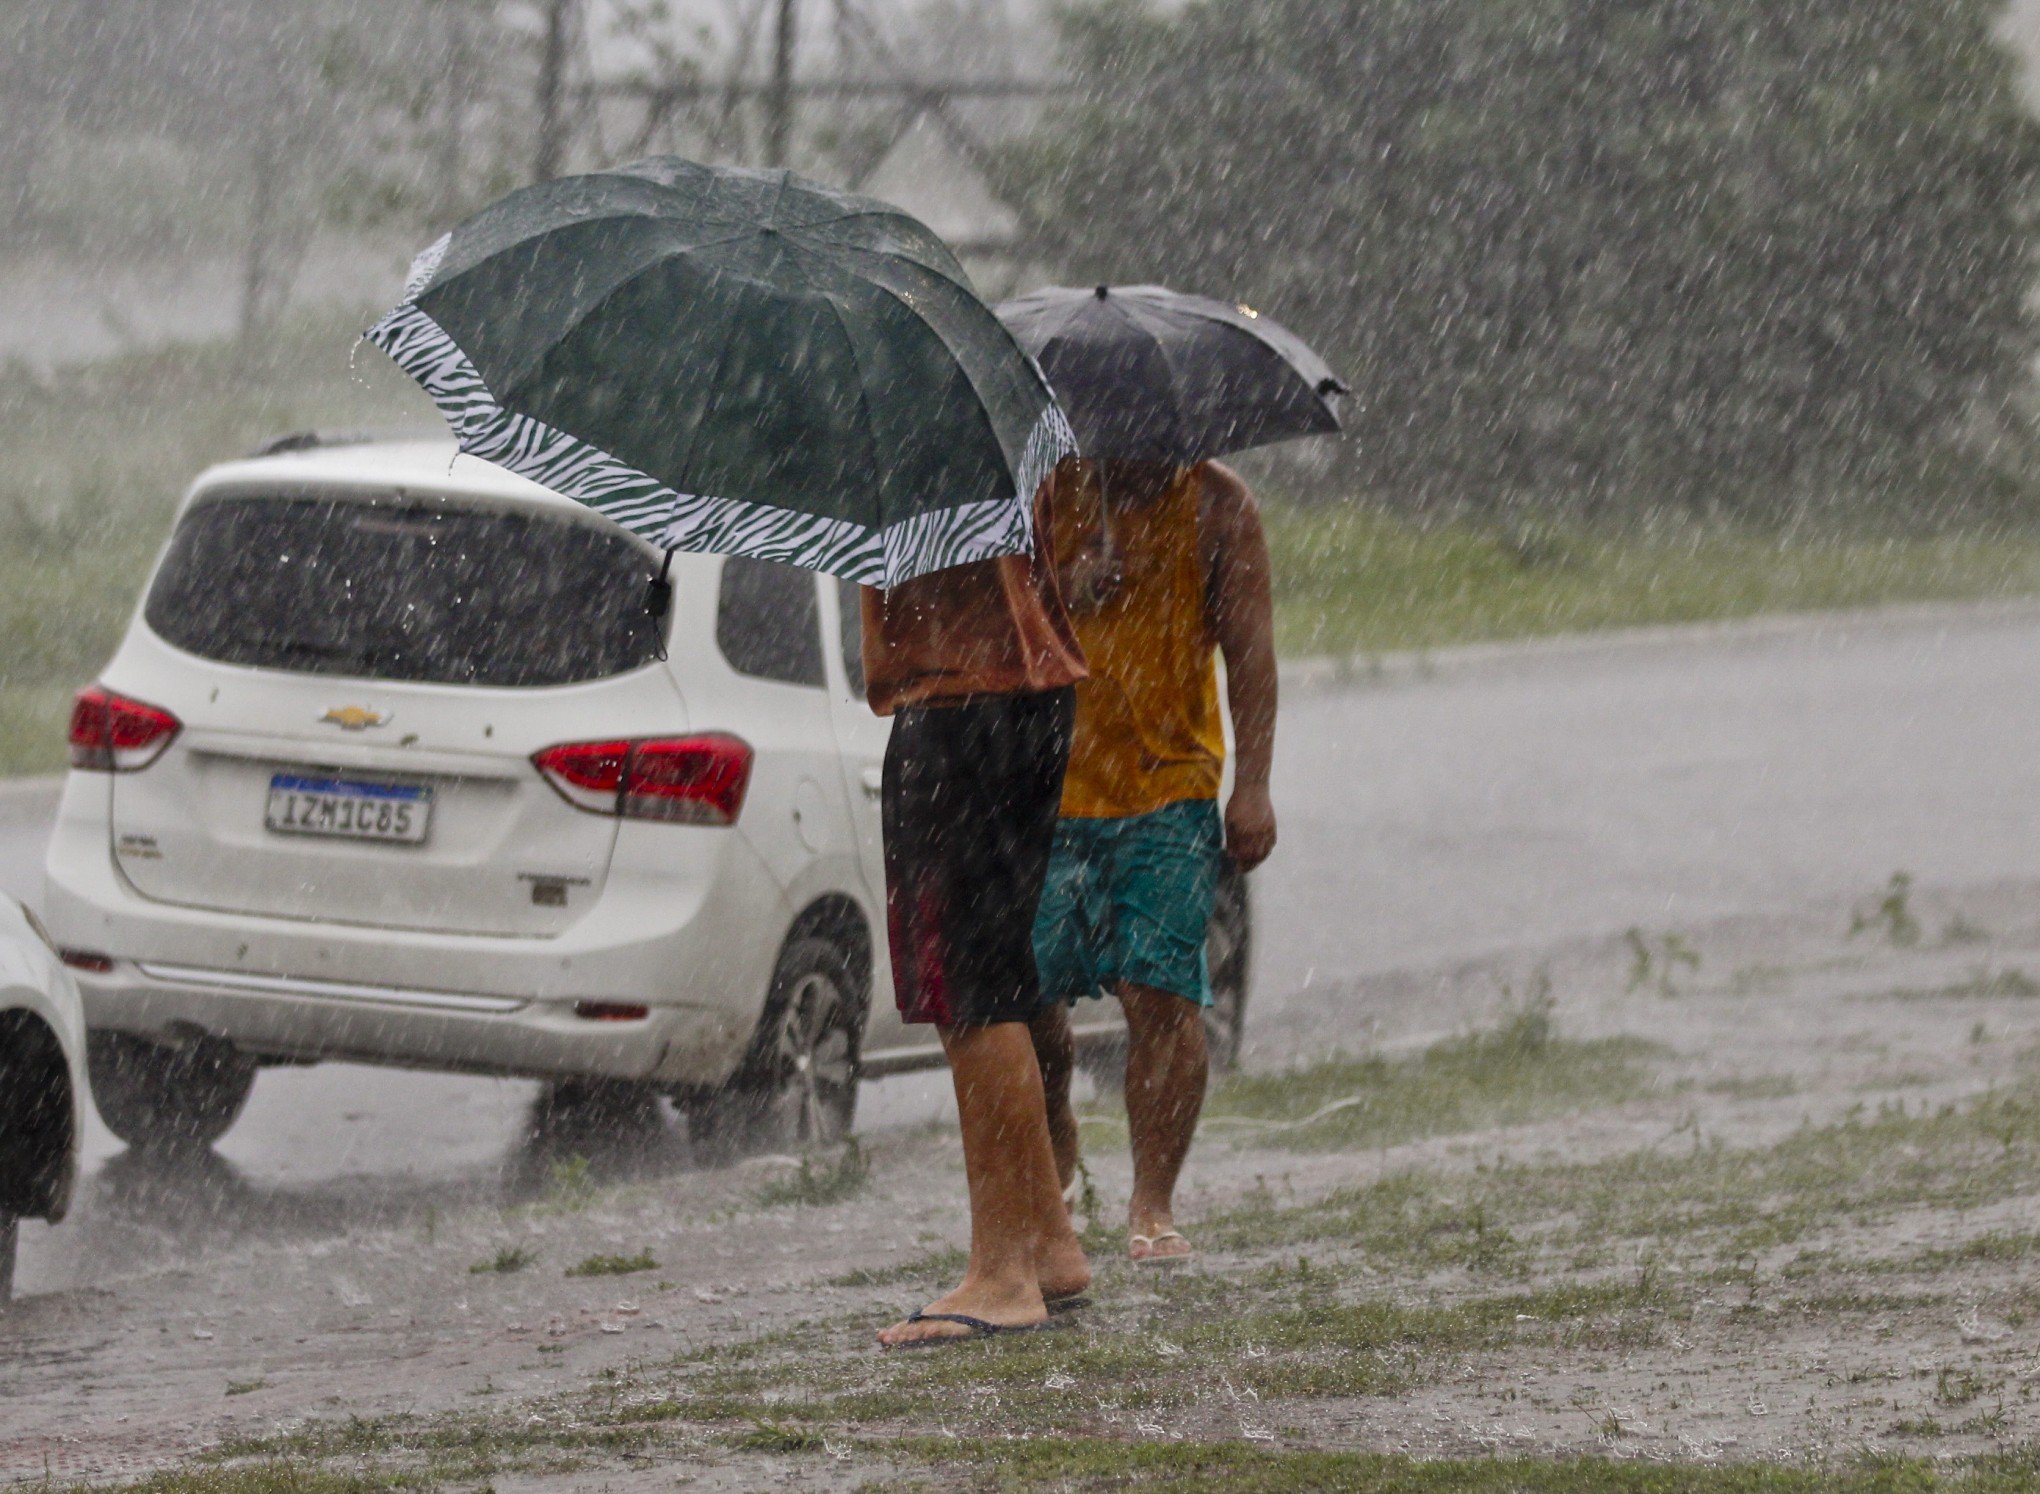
{"points": [[354, 718]]}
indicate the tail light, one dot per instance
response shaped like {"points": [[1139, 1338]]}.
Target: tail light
{"points": [[86, 959], [611, 1011], [112, 734], [687, 780]]}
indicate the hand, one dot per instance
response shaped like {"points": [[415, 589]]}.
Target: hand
{"points": [[1249, 826]]}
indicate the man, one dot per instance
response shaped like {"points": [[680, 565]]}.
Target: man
{"points": [[975, 664], [1164, 567]]}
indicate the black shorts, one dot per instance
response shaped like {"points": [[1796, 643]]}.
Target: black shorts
{"points": [[972, 790]]}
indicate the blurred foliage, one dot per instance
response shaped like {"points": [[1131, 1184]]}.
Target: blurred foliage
{"points": [[1727, 254], [1365, 579], [99, 454], [97, 458]]}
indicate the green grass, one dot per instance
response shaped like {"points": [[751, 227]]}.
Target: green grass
{"points": [[97, 457], [1363, 581], [267, 1477], [1703, 1197], [614, 1265], [1243, 1468], [817, 1183], [1370, 1294], [943, 1264], [2008, 983], [508, 1258], [1517, 1072]]}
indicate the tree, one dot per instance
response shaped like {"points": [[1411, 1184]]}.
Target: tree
{"points": [[1709, 250]]}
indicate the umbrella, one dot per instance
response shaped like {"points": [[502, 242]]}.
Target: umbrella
{"points": [[735, 361], [1151, 374]]}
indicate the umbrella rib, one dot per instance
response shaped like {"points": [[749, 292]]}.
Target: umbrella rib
{"points": [[983, 412], [518, 372], [686, 461], [849, 342]]}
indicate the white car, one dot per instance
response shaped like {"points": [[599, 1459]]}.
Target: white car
{"points": [[407, 760], [42, 1081]]}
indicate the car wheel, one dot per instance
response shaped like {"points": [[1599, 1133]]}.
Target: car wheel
{"points": [[10, 1247], [155, 1095], [1228, 951], [797, 1087]]}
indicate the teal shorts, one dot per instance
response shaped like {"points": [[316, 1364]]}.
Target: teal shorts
{"points": [[1130, 900]]}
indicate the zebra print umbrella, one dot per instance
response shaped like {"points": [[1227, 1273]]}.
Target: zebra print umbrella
{"points": [[735, 361]]}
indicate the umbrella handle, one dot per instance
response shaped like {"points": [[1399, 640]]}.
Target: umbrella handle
{"points": [[659, 598]]}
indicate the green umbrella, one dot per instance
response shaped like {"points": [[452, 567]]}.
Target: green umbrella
{"points": [[736, 361]]}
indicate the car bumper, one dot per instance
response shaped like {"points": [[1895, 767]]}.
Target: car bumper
{"points": [[694, 945], [293, 1019]]}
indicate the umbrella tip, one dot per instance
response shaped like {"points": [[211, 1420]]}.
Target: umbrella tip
{"points": [[1101, 292], [1328, 387]]}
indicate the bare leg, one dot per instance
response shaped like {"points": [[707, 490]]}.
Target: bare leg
{"points": [[1056, 1051], [1020, 1238], [1166, 1069]]}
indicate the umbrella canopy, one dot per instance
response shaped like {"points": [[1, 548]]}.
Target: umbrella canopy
{"points": [[735, 361], [1151, 374]]}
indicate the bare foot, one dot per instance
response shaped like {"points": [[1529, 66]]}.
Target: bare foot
{"points": [[1008, 1308], [1060, 1267], [1158, 1240]]}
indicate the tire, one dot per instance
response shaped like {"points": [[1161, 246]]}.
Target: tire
{"points": [[154, 1096], [10, 1248], [1229, 951], [797, 1086]]}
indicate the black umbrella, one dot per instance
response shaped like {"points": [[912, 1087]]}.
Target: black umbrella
{"points": [[735, 361], [1150, 374]]}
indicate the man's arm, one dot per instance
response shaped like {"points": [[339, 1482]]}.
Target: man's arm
{"points": [[1240, 609]]}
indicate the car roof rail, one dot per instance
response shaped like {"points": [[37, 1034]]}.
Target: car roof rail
{"points": [[314, 440]]}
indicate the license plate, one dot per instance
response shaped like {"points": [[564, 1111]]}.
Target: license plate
{"points": [[349, 809]]}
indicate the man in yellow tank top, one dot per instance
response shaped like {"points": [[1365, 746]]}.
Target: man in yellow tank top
{"points": [[1163, 568]]}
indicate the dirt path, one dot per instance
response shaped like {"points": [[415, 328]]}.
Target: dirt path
{"points": [[1782, 1025]]}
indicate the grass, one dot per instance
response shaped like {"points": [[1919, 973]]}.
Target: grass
{"points": [[508, 1258], [1702, 1198], [614, 1265], [943, 1264], [99, 454], [1519, 1071], [284, 1476], [1362, 581], [1415, 1281], [2006, 983], [1244, 1468], [818, 1183], [97, 458]]}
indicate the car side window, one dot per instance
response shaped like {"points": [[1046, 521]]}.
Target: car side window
{"points": [[768, 621], [850, 608]]}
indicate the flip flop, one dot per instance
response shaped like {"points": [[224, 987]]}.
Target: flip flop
{"points": [[978, 1327], [1153, 1240], [1074, 1302]]}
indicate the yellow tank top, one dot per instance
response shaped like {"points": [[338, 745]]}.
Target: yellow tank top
{"points": [[1148, 732]]}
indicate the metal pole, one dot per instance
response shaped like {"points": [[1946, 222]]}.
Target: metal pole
{"points": [[779, 101], [552, 68]]}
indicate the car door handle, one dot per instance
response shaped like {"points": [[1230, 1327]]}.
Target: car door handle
{"points": [[874, 782]]}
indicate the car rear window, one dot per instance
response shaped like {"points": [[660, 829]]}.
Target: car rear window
{"points": [[767, 622], [403, 591]]}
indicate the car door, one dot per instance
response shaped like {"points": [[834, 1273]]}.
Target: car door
{"points": [[860, 739]]}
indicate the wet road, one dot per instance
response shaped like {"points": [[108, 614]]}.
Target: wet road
{"points": [[1509, 799]]}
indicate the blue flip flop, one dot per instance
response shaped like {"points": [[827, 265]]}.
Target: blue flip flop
{"points": [[978, 1327]]}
